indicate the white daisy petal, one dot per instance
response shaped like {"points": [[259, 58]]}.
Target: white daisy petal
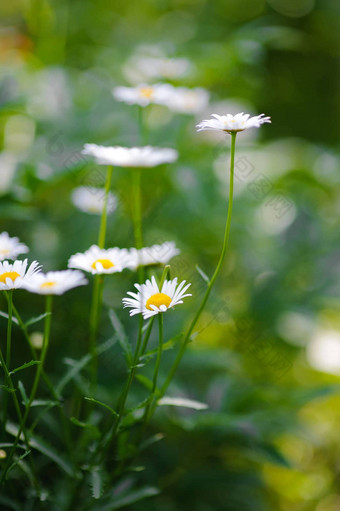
{"points": [[118, 156], [10, 248], [232, 123], [101, 261], [54, 282], [150, 300], [13, 276]]}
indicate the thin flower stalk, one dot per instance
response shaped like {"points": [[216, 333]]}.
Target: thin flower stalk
{"points": [[187, 337], [8, 354], [97, 296], [47, 330]]}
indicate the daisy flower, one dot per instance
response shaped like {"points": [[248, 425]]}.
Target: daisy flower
{"points": [[100, 261], [157, 254], [229, 123], [143, 94], [130, 157], [150, 300], [91, 200], [54, 282], [187, 101], [10, 248], [13, 276]]}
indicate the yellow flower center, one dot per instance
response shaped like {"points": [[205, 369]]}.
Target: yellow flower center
{"points": [[106, 264], [146, 92], [4, 251], [47, 284], [158, 299], [13, 275]]}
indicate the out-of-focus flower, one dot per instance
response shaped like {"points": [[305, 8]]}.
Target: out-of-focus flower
{"points": [[231, 123], [130, 157], [13, 276], [147, 67], [100, 261], [157, 254], [10, 248], [187, 101], [323, 352], [150, 300], [91, 200], [54, 282], [143, 94]]}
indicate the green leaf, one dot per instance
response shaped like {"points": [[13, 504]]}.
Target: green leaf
{"points": [[24, 366], [150, 441], [32, 321], [45, 402], [77, 366], [134, 496], [202, 274], [14, 319], [92, 400], [43, 447], [166, 346], [144, 380], [182, 402], [22, 390], [122, 336], [97, 483], [85, 425], [26, 453]]}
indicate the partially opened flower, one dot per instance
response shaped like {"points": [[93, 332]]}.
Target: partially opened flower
{"points": [[54, 282], [10, 248], [91, 200], [143, 94], [187, 101], [13, 276], [130, 157], [100, 261], [157, 254], [231, 123], [150, 300]]}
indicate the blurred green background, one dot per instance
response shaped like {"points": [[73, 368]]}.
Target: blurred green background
{"points": [[267, 356]]}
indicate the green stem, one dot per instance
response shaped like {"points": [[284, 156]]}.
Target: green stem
{"points": [[147, 412], [186, 339], [97, 298], [9, 297], [47, 329], [103, 220]]}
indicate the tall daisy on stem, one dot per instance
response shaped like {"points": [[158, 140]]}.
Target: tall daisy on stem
{"points": [[231, 125], [49, 284], [12, 276]]}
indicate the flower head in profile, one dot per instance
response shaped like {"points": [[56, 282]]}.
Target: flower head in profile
{"points": [[54, 282], [91, 200], [130, 157], [143, 94], [157, 254], [100, 261], [10, 248], [232, 123], [13, 276], [150, 300]]}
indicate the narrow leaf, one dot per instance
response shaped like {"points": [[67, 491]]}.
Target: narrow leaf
{"points": [[7, 389], [202, 274], [23, 393], [77, 366], [134, 496], [14, 319], [26, 453], [181, 401], [101, 404], [97, 483], [45, 402], [122, 337], [32, 321], [24, 366], [144, 380]]}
